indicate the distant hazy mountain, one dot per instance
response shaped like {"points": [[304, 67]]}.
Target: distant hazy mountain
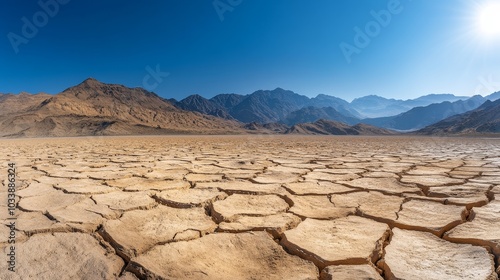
{"points": [[420, 117], [202, 105], [433, 98], [483, 120], [340, 105], [95, 108], [325, 127], [494, 96], [373, 106], [267, 106], [312, 114]]}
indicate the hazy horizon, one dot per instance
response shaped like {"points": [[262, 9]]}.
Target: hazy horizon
{"points": [[395, 49]]}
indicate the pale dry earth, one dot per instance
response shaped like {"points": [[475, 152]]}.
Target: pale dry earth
{"points": [[253, 207]]}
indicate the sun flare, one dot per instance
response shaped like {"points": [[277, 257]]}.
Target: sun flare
{"points": [[489, 20]]}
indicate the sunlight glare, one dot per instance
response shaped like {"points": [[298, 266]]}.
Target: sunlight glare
{"points": [[489, 20]]}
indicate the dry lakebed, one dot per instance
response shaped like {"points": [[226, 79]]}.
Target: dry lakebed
{"points": [[250, 207]]}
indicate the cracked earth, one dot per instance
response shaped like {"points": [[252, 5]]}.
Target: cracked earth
{"points": [[254, 207]]}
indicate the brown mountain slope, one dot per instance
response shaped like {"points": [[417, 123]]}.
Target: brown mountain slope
{"points": [[13, 103], [325, 127], [268, 128], [95, 108]]}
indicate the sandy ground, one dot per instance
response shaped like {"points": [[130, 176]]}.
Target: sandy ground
{"points": [[251, 207]]}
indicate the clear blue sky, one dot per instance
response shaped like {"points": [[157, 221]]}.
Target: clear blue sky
{"points": [[427, 47]]}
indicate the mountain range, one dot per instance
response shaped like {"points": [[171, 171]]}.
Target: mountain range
{"points": [[289, 108], [483, 120], [420, 117], [373, 106], [95, 108]]}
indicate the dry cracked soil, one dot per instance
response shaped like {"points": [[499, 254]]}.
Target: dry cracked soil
{"points": [[252, 207]]}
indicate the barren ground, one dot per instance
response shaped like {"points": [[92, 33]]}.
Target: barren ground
{"points": [[253, 207]]}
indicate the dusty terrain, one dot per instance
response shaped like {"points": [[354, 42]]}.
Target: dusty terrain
{"points": [[253, 207]]}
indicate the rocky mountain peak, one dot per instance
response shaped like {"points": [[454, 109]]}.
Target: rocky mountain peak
{"points": [[91, 82]]}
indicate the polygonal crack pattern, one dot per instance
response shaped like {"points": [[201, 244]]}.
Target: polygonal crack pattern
{"points": [[253, 207]]}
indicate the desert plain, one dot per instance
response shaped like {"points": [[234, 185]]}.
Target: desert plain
{"points": [[253, 207]]}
